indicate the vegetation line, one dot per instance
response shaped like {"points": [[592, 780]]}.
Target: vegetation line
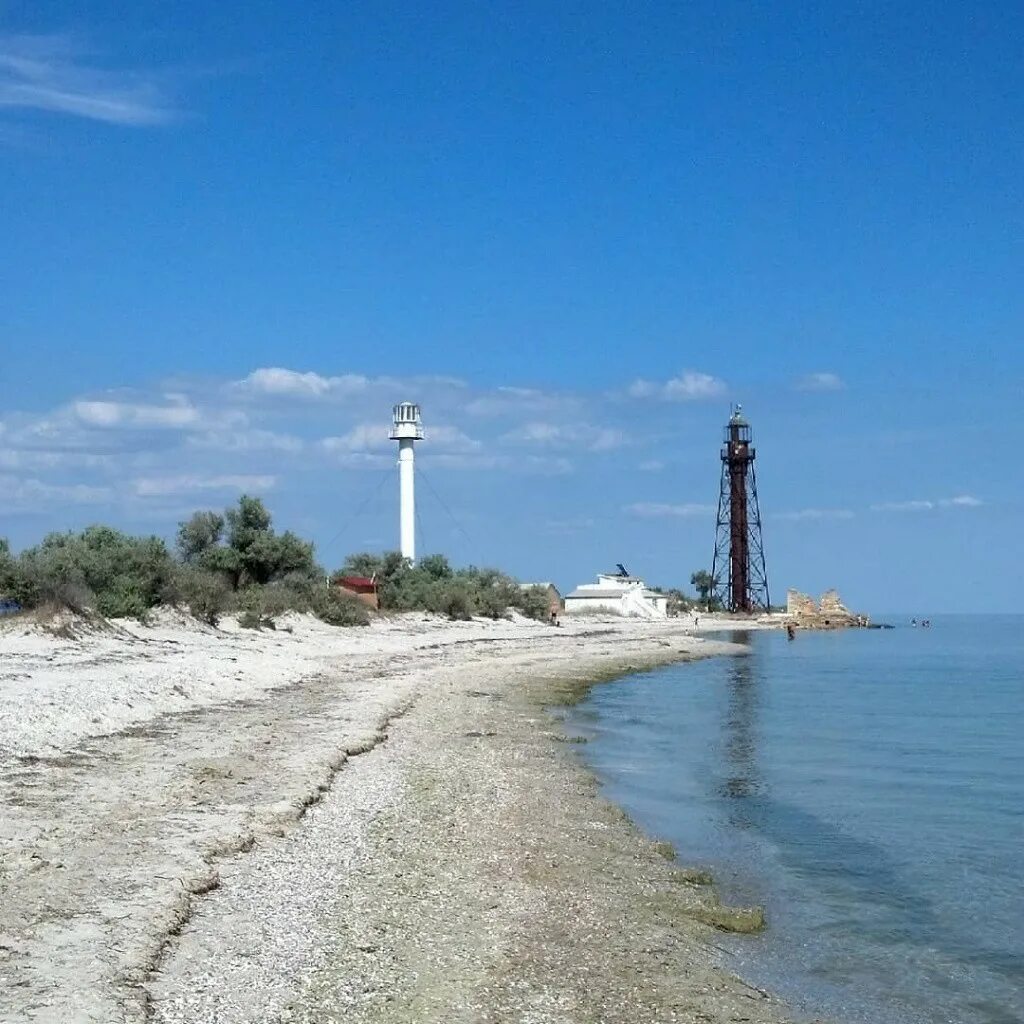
{"points": [[235, 563]]}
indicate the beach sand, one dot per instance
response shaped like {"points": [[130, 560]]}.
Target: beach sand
{"points": [[324, 825]]}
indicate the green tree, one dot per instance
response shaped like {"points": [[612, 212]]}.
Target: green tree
{"points": [[704, 583], [198, 534], [252, 554]]}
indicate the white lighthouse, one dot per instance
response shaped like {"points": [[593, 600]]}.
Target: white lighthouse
{"points": [[407, 429]]}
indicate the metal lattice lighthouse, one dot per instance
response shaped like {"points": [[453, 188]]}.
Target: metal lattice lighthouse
{"points": [[407, 429], [738, 570]]}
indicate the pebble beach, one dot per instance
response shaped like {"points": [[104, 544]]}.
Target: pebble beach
{"points": [[311, 824]]}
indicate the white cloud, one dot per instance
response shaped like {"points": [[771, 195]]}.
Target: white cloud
{"points": [[361, 438], [247, 441], [33, 492], [902, 506], [689, 386], [50, 73], [149, 487], [595, 439], [662, 510], [367, 437], [569, 526], [276, 380], [35, 459], [820, 382], [540, 465], [924, 505], [507, 400], [179, 414], [804, 514], [451, 439], [651, 466]]}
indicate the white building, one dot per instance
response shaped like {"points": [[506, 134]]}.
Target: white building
{"points": [[617, 595]]}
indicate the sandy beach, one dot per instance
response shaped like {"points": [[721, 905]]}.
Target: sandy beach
{"points": [[313, 824]]}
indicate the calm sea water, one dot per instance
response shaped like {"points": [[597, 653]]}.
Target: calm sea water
{"points": [[867, 787]]}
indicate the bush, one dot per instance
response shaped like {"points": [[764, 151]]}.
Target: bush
{"points": [[337, 608], [126, 575], [534, 603], [252, 620], [452, 598], [432, 585], [207, 595]]}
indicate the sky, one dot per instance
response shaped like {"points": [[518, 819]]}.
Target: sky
{"points": [[234, 235]]}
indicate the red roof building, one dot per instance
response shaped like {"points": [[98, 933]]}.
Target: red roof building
{"points": [[363, 587]]}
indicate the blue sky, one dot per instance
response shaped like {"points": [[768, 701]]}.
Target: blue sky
{"points": [[235, 234]]}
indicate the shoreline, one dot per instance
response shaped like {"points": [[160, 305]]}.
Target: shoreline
{"points": [[467, 737]]}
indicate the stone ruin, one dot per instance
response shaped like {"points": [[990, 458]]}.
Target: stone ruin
{"points": [[828, 613]]}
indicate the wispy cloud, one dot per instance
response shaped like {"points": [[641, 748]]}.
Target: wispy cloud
{"points": [[162, 486], [925, 505], [253, 440], [31, 491], [555, 435], [663, 510], [373, 437], [820, 382], [363, 437], [804, 514], [689, 386], [177, 414], [651, 466], [503, 401], [569, 526], [53, 73], [902, 506]]}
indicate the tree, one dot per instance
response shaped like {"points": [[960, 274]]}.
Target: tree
{"points": [[197, 535], [247, 522], [253, 552], [704, 583]]}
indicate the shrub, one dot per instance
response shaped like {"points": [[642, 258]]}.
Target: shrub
{"points": [[337, 608], [126, 575], [534, 603], [432, 585], [452, 598], [251, 620], [207, 595]]}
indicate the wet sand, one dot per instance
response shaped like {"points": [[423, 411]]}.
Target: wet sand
{"points": [[405, 836]]}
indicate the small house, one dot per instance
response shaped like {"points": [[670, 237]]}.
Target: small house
{"points": [[362, 587]]}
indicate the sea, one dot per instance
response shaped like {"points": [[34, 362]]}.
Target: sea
{"points": [[866, 787]]}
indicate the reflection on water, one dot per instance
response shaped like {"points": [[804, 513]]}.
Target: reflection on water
{"points": [[740, 730]]}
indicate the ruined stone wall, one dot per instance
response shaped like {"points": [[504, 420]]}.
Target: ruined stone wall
{"points": [[828, 613], [799, 605]]}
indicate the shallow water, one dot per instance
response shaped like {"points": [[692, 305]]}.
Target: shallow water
{"points": [[867, 786]]}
